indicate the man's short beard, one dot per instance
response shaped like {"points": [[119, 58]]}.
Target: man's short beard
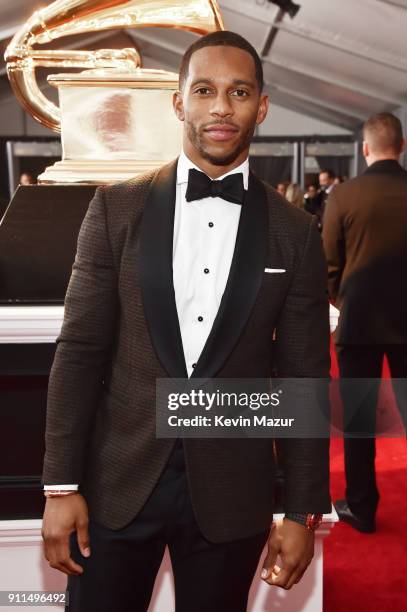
{"points": [[194, 138]]}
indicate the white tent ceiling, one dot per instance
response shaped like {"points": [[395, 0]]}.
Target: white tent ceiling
{"points": [[337, 60]]}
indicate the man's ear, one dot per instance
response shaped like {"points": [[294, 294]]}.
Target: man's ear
{"points": [[263, 108], [403, 145], [178, 105], [365, 149]]}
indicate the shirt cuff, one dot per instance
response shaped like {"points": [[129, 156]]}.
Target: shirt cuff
{"points": [[64, 487]]}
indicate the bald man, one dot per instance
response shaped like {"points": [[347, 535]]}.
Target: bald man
{"points": [[365, 240]]}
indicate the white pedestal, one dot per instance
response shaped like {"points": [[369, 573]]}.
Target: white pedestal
{"points": [[42, 324], [24, 568]]}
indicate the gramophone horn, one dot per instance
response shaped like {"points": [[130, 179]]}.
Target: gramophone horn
{"points": [[68, 17]]}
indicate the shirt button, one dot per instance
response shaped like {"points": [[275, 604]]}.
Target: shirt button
{"points": [[210, 224], [200, 318], [206, 270], [193, 365]]}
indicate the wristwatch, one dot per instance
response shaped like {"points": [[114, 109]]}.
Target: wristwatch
{"points": [[310, 521]]}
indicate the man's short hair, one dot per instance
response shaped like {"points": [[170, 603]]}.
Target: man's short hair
{"points": [[327, 171], [220, 38], [384, 133]]}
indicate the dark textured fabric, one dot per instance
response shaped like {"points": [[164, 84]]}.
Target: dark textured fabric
{"points": [[100, 429], [365, 240]]}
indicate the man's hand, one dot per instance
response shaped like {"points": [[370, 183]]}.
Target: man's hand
{"points": [[62, 516], [295, 545]]}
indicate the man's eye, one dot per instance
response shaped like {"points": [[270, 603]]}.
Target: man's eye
{"points": [[241, 93], [202, 90]]}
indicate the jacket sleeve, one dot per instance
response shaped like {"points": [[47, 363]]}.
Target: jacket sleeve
{"points": [[334, 245], [303, 351], [83, 349]]}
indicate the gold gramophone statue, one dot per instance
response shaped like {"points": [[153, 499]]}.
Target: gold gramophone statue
{"points": [[115, 118]]}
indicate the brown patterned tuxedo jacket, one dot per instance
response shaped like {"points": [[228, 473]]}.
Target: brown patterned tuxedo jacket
{"points": [[121, 332]]}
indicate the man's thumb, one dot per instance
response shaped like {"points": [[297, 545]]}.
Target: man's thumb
{"points": [[269, 561], [83, 539]]}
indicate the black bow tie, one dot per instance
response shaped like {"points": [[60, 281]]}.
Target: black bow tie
{"points": [[201, 186]]}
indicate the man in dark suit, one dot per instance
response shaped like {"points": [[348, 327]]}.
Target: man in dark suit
{"points": [[327, 185], [365, 240], [182, 273], [313, 202]]}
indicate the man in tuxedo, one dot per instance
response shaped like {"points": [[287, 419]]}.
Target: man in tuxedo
{"points": [[174, 276], [365, 241], [313, 202], [327, 184]]}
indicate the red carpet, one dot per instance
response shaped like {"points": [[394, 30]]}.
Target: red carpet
{"points": [[368, 571]]}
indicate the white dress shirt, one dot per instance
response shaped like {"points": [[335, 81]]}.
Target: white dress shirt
{"points": [[203, 245]]}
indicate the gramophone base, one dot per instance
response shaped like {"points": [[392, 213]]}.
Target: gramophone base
{"points": [[95, 171]]}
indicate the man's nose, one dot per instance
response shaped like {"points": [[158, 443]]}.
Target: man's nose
{"points": [[222, 106]]}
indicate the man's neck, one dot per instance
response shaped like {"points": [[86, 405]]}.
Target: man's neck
{"points": [[376, 158], [213, 170]]}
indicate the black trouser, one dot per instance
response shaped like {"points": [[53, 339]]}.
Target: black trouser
{"points": [[120, 573], [359, 403]]}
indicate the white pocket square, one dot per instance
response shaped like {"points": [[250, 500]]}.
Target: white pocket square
{"points": [[276, 270]]}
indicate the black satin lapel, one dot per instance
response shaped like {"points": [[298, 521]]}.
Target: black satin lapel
{"points": [[156, 276], [243, 284]]}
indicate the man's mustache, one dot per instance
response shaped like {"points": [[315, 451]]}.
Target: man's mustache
{"points": [[216, 123]]}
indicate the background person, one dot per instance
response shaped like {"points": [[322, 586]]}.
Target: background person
{"points": [[326, 184], [365, 240], [295, 195], [27, 178], [313, 202], [282, 188]]}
